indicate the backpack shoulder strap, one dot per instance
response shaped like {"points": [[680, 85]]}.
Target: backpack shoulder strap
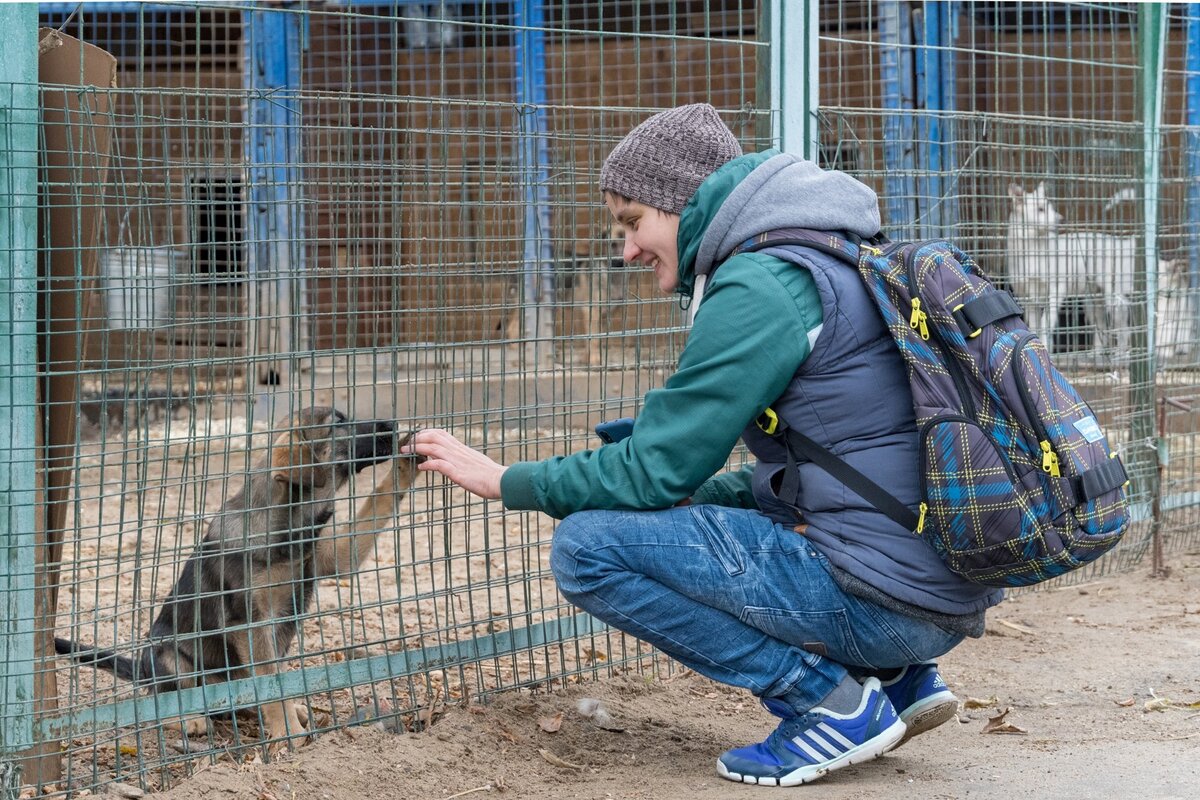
{"points": [[860, 484], [840, 247]]}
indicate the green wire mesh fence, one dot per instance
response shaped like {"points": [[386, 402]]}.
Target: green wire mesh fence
{"points": [[390, 209]]}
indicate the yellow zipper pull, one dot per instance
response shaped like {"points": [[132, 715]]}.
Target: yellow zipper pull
{"points": [[1049, 460], [875, 251], [921, 518], [914, 319], [924, 326]]}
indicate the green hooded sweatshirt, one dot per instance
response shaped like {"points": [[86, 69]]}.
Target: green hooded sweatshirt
{"points": [[749, 336]]}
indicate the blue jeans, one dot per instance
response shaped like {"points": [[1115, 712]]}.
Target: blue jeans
{"points": [[734, 596]]}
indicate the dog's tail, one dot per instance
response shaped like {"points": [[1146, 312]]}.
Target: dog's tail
{"points": [[121, 666]]}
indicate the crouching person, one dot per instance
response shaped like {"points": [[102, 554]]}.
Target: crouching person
{"points": [[779, 580]]}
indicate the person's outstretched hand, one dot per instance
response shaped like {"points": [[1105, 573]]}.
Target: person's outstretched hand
{"points": [[464, 465]]}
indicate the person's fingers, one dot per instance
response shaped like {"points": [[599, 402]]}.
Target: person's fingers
{"points": [[429, 442], [459, 462]]}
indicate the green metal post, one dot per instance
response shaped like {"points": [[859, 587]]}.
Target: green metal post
{"points": [[18, 380], [795, 74], [1152, 37]]}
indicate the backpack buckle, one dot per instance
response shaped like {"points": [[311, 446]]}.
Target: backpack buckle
{"points": [[767, 421], [963, 325]]}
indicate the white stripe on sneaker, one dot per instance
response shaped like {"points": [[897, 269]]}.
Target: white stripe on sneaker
{"points": [[816, 756], [833, 733], [820, 741]]}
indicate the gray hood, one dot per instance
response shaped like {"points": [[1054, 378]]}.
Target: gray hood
{"points": [[786, 191]]}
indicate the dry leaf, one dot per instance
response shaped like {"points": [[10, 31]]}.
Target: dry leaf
{"points": [[1157, 704], [975, 702], [997, 724], [1126, 703], [551, 724], [550, 758], [506, 734], [594, 656]]}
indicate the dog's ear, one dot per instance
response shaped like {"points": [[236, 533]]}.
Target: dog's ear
{"points": [[293, 461]]}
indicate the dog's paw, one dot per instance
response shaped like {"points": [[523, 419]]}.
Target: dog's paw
{"points": [[189, 726]]}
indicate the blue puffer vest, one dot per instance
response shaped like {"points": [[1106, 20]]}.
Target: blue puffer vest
{"points": [[852, 396]]}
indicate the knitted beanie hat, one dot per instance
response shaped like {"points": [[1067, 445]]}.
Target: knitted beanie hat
{"points": [[662, 162]]}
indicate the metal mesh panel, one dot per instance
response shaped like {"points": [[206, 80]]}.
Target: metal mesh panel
{"points": [[390, 208], [327, 205], [1019, 130]]}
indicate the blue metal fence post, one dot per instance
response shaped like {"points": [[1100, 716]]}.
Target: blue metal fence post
{"points": [[275, 221], [533, 161], [896, 78], [936, 27], [18, 382]]}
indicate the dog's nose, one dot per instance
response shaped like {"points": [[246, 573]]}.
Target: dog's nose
{"points": [[383, 426]]}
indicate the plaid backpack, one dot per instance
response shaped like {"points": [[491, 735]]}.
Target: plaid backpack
{"points": [[1019, 483]]}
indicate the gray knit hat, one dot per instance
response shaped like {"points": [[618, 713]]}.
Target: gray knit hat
{"points": [[662, 162]]}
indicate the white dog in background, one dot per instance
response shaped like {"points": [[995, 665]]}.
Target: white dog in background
{"points": [[1174, 330], [1046, 267], [1041, 274]]}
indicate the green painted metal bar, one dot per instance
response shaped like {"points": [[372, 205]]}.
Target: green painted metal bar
{"points": [[1152, 31], [311, 680], [18, 379], [795, 74], [1143, 367]]}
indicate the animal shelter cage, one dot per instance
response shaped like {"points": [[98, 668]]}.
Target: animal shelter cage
{"points": [[223, 213]]}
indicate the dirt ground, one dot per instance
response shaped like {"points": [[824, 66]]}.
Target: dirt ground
{"points": [[1101, 679]]}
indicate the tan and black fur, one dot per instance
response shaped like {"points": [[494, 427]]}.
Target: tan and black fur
{"points": [[235, 606]]}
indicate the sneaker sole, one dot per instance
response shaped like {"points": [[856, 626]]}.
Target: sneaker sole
{"points": [[883, 742], [926, 719]]}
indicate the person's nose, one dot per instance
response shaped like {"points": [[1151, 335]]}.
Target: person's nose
{"points": [[630, 251]]}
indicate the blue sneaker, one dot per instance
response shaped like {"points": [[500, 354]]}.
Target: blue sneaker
{"points": [[921, 699], [805, 747]]}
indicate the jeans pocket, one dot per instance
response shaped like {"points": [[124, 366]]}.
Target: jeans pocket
{"points": [[723, 545], [830, 629]]}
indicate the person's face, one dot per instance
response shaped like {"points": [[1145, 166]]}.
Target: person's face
{"points": [[651, 238]]}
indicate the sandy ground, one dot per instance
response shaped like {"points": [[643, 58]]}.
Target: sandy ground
{"points": [[1101, 679]]}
